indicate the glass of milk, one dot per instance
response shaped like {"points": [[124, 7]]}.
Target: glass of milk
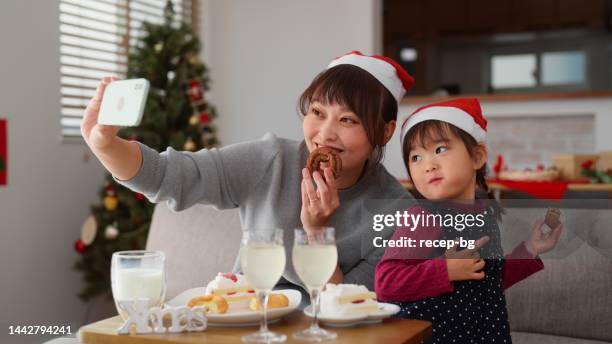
{"points": [[138, 275], [262, 258], [315, 258]]}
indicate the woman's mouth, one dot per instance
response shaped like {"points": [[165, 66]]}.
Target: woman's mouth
{"points": [[340, 150]]}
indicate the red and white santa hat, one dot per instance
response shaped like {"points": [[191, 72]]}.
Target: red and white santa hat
{"points": [[384, 69], [464, 113]]}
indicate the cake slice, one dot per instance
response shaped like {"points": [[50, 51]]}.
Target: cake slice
{"points": [[347, 299], [234, 288]]}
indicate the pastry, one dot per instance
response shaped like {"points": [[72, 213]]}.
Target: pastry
{"points": [[345, 299], [324, 157], [552, 218], [274, 301], [214, 303], [234, 288], [548, 175]]}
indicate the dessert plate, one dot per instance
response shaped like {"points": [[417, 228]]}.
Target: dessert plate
{"points": [[242, 317], [385, 310]]}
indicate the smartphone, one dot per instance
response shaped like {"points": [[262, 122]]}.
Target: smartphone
{"points": [[123, 102]]}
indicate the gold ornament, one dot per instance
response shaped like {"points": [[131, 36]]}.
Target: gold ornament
{"points": [[88, 231], [158, 47], [111, 203], [194, 120], [111, 232], [189, 145]]}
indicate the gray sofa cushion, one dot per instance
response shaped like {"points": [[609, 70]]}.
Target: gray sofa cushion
{"points": [[531, 338], [198, 242], [571, 297]]}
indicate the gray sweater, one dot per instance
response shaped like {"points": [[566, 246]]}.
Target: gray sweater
{"points": [[263, 179]]}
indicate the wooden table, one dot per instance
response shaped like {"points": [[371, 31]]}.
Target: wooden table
{"points": [[390, 331]]}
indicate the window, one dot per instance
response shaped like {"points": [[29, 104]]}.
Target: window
{"points": [[513, 71], [541, 70], [95, 37]]}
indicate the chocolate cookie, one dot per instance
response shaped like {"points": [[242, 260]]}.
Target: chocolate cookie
{"points": [[552, 218], [324, 157]]}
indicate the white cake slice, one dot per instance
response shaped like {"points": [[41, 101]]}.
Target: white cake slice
{"points": [[235, 288], [347, 299]]}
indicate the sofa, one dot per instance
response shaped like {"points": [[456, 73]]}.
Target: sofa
{"points": [[569, 302]]}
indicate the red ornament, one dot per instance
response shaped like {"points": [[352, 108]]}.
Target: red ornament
{"points": [[540, 167], [195, 91], [79, 246], [139, 196], [587, 165], [204, 118]]}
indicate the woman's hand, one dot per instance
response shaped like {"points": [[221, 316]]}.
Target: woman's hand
{"points": [[466, 264], [97, 136], [540, 242], [318, 204]]}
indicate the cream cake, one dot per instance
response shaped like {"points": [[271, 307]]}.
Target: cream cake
{"points": [[234, 288], [347, 299]]}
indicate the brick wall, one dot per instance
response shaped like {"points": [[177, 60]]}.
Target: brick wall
{"points": [[526, 142]]}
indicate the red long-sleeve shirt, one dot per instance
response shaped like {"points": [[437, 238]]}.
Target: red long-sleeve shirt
{"points": [[403, 275]]}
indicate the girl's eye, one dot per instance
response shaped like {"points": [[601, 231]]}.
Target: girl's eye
{"points": [[415, 158], [441, 149], [315, 112]]}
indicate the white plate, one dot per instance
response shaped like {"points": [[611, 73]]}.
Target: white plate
{"points": [[242, 317], [385, 310]]}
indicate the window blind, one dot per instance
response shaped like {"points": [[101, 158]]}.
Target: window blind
{"points": [[95, 38]]}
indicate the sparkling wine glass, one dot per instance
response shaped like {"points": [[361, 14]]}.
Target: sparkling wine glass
{"points": [[137, 276], [315, 258], [262, 258]]}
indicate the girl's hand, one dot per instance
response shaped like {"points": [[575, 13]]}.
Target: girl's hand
{"points": [[318, 205], [540, 242], [97, 136], [466, 264]]}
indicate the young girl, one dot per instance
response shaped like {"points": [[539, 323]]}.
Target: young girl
{"points": [[461, 293], [350, 107]]}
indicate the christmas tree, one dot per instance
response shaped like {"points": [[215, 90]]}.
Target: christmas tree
{"points": [[176, 115]]}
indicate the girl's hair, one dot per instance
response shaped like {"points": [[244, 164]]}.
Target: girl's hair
{"points": [[432, 130], [363, 94]]}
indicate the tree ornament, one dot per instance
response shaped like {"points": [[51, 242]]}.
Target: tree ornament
{"points": [[111, 203], [204, 117], [195, 91], [171, 75], [111, 232], [189, 145], [89, 230], [194, 120], [79, 246], [158, 47]]}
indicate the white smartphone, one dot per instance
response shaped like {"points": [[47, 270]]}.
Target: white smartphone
{"points": [[123, 102]]}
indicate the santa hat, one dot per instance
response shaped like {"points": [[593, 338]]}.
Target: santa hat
{"points": [[385, 70], [464, 113]]}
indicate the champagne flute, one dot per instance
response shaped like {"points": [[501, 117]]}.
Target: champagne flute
{"points": [[262, 258], [315, 258], [138, 275]]}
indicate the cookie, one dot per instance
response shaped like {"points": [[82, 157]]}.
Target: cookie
{"points": [[274, 301], [552, 218], [324, 157], [214, 303]]}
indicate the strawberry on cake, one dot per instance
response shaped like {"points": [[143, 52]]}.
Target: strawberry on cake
{"points": [[234, 288], [347, 299]]}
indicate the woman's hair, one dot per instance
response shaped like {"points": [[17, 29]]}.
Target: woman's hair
{"points": [[363, 94], [432, 130]]}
